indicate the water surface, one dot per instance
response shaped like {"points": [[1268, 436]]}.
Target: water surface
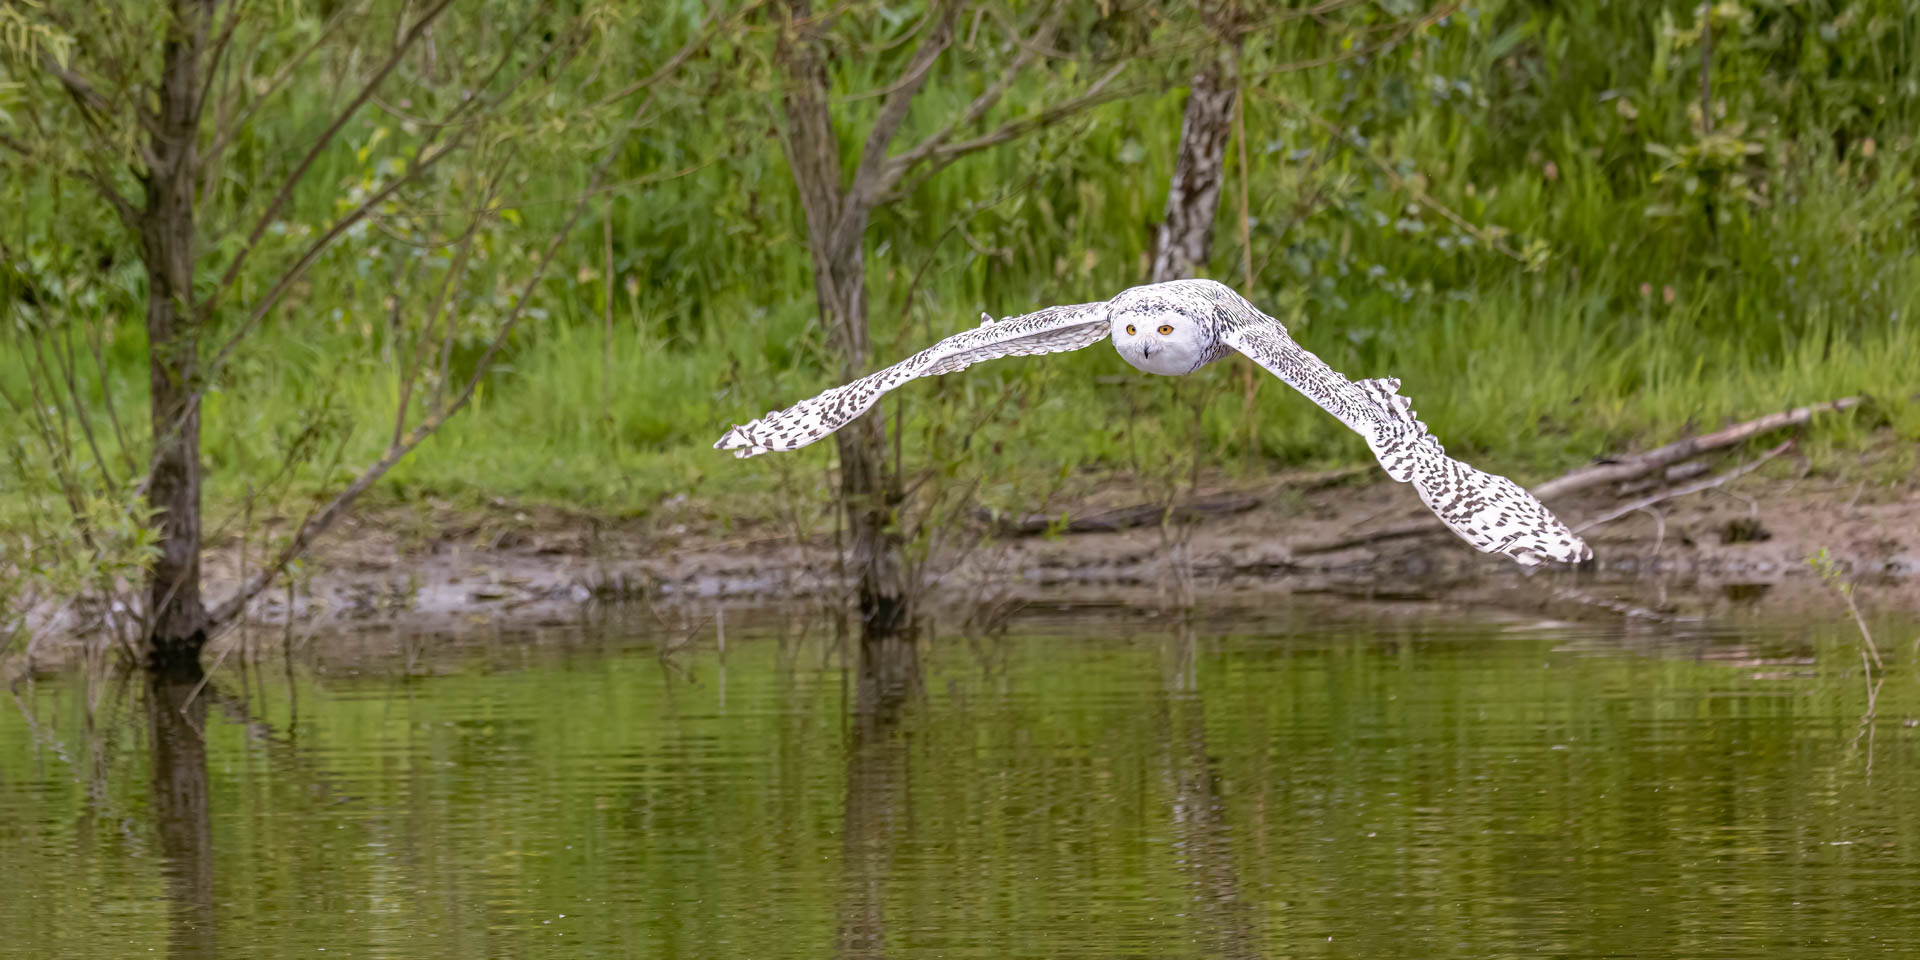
{"points": [[1310, 785]]}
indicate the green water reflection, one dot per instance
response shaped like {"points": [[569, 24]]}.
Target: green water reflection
{"points": [[1310, 786]]}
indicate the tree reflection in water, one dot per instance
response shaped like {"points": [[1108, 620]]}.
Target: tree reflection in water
{"points": [[879, 784], [176, 723], [1199, 812]]}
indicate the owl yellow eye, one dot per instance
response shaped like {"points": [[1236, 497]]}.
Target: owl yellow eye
{"points": [[1166, 328], [1130, 330]]}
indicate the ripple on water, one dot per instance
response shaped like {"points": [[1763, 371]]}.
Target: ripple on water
{"points": [[1327, 785]]}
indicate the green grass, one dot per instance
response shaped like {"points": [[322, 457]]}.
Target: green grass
{"points": [[1793, 272]]}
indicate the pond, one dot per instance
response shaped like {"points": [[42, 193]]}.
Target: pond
{"points": [[1320, 781]]}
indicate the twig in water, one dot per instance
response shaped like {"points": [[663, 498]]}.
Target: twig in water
{"points": [[1861, 622], [1830, 573], [1866, 719]]}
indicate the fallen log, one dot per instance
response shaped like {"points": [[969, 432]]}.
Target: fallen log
{"points": [[1663, 478], [1640, 464], [1677, 492], [1618, 470]]}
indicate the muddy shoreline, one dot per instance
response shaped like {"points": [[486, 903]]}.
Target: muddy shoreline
{"points": [[1740, 550], [1728, 554]]}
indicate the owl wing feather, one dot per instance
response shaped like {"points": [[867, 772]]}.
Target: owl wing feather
{"points": [[1052, 330], [1490, 512]]}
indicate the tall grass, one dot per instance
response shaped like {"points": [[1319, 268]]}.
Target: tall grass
{"points": [[1688, 277]]}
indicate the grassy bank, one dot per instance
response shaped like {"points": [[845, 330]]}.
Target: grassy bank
{"points": [[1656, 273]]}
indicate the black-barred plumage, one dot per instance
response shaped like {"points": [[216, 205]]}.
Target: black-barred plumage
{"points": [[1175, 328]]}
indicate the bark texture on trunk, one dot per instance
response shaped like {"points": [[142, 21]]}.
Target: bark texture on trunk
{"points": [[1185, 238], [177, 619], [837, 214]]}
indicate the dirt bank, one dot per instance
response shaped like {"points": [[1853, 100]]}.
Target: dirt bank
{"points": [[1739, 549]]}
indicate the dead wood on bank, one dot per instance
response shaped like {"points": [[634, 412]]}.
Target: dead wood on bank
{"points": [[1624, 470]]}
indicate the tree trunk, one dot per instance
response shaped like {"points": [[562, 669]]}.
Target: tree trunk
{"points": [[1181, 246], [869, 488], [836, 228], [176, 617]]}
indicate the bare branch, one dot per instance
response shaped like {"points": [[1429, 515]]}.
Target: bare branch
{"points": [[903, 162], [945, 154], [1688, 490], [222, 138], [869, 178], [318, 523], [266, 303], [454, 270], [212, 66], [1629, 467], [272, 212]]}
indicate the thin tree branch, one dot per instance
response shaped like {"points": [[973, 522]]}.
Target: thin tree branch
{"points": [[285, 193], [944, 154], [318, 523], [266, 303], [901, 163], [454, 270], [223, 137], [1688, 490], [213, 61], [673, 63], [122, 207], [869, 177]]}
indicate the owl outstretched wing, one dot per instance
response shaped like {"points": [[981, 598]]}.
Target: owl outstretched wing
{"points": [[1490, 512], [1053, 330]]}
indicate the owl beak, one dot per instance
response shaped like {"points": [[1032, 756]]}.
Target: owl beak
{"points": [[1146, 350]]}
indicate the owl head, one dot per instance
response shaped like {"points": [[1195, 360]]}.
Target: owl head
{"points": [[1166, 329]]}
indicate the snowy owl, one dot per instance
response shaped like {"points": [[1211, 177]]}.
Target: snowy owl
{"points": [[1175, 328]]}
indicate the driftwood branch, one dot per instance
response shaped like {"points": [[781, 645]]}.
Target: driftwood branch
{"points": [[1629, 468], [1639, 465], [1690, 489]]}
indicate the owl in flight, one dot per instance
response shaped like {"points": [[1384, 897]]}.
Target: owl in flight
{"points": [[1175, 328]]}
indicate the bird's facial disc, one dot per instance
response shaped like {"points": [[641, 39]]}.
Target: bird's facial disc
{"points": [[1157, 341]]}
